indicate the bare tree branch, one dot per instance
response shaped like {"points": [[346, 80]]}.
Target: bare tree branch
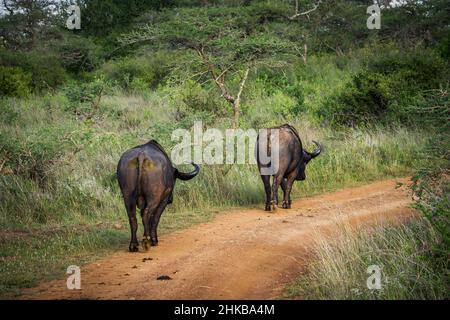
{"points": [[298, 14], [218, 80], [237, 103], [6, 6]]}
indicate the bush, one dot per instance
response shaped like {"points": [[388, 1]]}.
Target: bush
{"points": [[137, 73], [44, 67], [283, 105], [32, 157], [385, 88], [84, 96], [197, 98], [14, 82], [79, 55], [431, 182], [286, 82]]}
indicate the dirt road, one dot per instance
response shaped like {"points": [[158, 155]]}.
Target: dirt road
{"points": [[245, 254]]}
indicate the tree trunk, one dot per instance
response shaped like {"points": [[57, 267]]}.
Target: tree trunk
{"points": [[305, 53], [235, 115], [237, 101]]}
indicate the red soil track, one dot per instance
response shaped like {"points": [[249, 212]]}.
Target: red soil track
{"points": [[244, 254]]}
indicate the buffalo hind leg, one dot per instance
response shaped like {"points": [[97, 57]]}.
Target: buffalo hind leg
{"points": [[266, 181], [154, 220], [276, 184], [146, 214], [286, 203], [286, 185], [130, 205]]}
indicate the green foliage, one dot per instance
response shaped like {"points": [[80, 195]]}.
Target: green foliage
{"points": [[138, 73], [339, 26], [32, 157], [386, 88], [44, 67], [101, 17], [14, 82], [79, 54], [84, 96], [227, 37], [282, 105], [197, 98], [444, 47], [431, 182], [402, 252], [276, 82], [24, 23]]}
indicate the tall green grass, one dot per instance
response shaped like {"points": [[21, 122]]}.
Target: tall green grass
{"points": [[402, 252], [57, 169], [58, 159], [58, 180]]}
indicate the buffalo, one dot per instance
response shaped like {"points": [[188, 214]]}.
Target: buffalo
{"points": [[292, 161], [147, 178]]}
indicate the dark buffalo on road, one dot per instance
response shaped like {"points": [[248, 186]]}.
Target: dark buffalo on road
{"points": [[292, 161], [147, 178]]}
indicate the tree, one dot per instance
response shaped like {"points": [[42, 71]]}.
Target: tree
{"points": [[100, 17], [24, 20], [228, 41]]}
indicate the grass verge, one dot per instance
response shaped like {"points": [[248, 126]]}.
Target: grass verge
{"points": [[404, 254]]}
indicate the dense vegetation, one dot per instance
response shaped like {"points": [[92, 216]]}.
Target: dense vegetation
{"points": [[72, 101]]}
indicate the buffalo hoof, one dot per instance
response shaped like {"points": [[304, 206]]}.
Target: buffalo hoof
{"points": [[267, 207], [154, 242], [134, 247], [274, 206], [145, 244], [286, 205]]}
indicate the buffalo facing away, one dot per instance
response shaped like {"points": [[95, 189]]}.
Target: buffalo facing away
{"points": [[147, 178], [292, 161]]}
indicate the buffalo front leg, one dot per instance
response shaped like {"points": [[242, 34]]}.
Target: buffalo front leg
{"points": [[266, 181], [130, 205], [154, 220]]}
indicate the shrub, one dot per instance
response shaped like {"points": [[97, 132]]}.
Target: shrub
{"points": [[364, 99], [197, 98], [385, 88], [44, 67], [79, 55], [14, 82], [32, 157], [282, 105], [84, 96], [137, 73], [431, 182], [275, 82]]}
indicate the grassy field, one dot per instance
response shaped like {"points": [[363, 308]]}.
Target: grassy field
{"points": [[60, 200]]}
